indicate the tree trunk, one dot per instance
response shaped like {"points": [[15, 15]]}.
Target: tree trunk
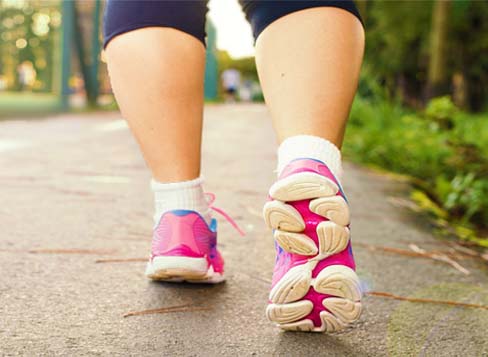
{"points": [[437, 77], [459, 90]]}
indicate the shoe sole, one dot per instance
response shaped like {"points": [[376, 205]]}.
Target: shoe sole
{"points": [[303, 185], [339, 282], [182, 269]]}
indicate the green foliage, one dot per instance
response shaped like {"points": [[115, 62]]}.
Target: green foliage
{"points": [[397, 44], [441, 110], [466, 195], [449, 163], [29, 31], [468, 44], [370, 84], [33, 104], [398, 48]]}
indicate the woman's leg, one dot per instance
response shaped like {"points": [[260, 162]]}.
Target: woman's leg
{"points": [[308, 60], [308, 64], [157, 77], [156, 60]]}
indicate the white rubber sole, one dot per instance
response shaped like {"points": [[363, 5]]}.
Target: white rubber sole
{"points": [[286, 307], [180, 269], [287, 310], [282, 216], [303, 185]]}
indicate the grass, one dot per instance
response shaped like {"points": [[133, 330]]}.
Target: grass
{"points": [[28, 104], [14, 104], [443, 149]]}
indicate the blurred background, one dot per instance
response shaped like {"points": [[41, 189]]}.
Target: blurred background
{"points": [[421, 109]]}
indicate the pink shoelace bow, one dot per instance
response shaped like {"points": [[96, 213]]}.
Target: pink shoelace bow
{"points": [[211, 200]]}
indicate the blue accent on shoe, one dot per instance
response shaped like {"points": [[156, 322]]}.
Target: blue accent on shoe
{"points": [[183, 212], [308, 158], [213, 225], [180, 212], [343, 194]]}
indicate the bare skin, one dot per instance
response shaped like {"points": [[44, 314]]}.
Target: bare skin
{"points": [[309, 77], [157, 78]]}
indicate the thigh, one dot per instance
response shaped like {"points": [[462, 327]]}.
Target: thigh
{"points": [[127, 15], [261, 13]]}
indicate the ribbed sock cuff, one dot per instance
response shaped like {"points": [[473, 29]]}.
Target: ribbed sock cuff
{"points": [[187, 195], [312, 147]]}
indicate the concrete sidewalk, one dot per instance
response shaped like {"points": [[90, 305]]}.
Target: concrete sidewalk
{"points": [[75, 190]]}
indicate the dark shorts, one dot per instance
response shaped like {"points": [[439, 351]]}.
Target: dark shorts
{"points": [[189, 15]]}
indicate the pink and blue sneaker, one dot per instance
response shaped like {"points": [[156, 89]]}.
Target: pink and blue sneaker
{"points": [[184, 248], [314, 286]]}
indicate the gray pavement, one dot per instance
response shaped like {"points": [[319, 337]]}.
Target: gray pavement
{"points": [[74, 190]]}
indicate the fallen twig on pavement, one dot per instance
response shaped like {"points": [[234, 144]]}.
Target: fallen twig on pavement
{"points": [[442, 258], [422, 300], [394, 250], [416, 254], [255, 277], [454, 254], [465, 250], [165, 310], [121, 260], [463, 247], [70, 251], [455, 250]]}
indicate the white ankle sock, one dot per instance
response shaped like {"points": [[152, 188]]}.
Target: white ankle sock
{"points": [[312, 147], [186, 195]]}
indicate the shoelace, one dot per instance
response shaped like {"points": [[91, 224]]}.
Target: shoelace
{"points": [[211, 200]]}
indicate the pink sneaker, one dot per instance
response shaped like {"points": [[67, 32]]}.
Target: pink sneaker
{"points": [[184, 248], [315, 287]]}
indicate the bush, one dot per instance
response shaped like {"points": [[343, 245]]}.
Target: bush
{"points": [[443, 148]]}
